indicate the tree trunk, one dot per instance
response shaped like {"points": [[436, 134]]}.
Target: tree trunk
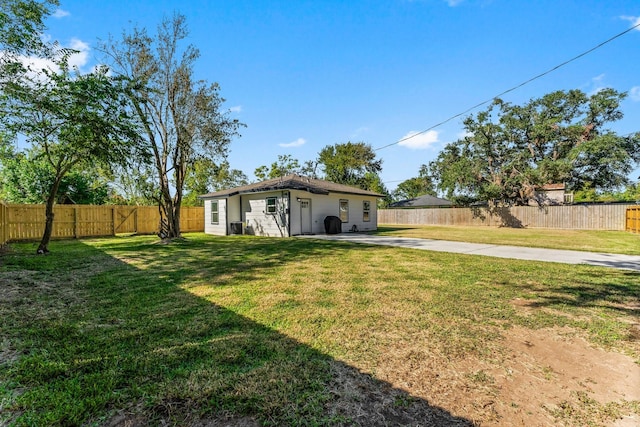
{"points": [[43, 247], [169, 219]]}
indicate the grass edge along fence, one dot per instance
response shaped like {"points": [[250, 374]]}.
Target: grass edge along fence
{"points": [[576, 217], [26, 222]]}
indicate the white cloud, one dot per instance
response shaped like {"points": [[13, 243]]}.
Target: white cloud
{"points": [[634, 93], [60, 13], [596, 85], [236, 109], [419, 140], [359, 132], [635, 20], [464, 134], [79, 59], [297, 143]]}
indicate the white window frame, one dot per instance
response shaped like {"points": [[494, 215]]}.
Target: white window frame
{"points": [[215, 212], [343, 210], [366, 211], [271, 209]]}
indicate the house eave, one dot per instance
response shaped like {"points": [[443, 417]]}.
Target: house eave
{"points": [[292, 183]]}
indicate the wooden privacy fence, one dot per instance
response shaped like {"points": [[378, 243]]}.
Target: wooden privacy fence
{"points": [[633, 219], [4, 224], [26, 222], [579, 217]]}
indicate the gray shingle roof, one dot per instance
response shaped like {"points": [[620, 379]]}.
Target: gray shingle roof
{"points": [[421, 201], [292, 182]]}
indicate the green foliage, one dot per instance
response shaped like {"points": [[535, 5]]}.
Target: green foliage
{"points": [[349, 163], [206, 176], [134, 185], [285, 165], [21, 25], [414, 187], [71, 120], [27, 178], [629, 193], [512, 150]]}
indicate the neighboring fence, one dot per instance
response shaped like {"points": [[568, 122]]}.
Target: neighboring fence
{"points": [[4, 224], [580, 217], [26, 222], [633, 219]]}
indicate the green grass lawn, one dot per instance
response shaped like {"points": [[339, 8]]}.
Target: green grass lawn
{"points": [[212, 327], [617, 242]]}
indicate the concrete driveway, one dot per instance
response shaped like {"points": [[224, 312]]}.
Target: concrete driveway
{"points": [[628, 262]]}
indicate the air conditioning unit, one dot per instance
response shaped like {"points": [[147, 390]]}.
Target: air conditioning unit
{"points": [[235, 227]]}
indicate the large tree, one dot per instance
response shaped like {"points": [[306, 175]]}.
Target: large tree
{"points": [[70, 119], [416, 186], [134, 184], [206, 176], [181, 118], [21, 27], [349, 164], [285, 165], [512, 150], [27, 177]]}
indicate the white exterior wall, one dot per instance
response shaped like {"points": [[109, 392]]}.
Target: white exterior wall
{"points": [[329, 205], [260, 223], [219, 229], [251, 210]]}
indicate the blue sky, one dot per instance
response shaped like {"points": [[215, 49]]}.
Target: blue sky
{"points": [[306, 74]]}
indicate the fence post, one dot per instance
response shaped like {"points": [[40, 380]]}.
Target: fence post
{"points": [[4, 224], [75, 222]]}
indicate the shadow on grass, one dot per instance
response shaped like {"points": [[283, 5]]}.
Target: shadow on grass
{"points": [[594, 288], [87, 337]]}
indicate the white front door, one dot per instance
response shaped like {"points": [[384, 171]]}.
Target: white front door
{"points": [[305, 216]]}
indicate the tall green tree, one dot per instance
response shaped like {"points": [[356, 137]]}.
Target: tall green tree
{"points": [[512, 150], [285, 165], [349, 163], [134, 184], [27, 178], [21, 27], [416, 186], [181, 117], [206, 176], [70, 120]]}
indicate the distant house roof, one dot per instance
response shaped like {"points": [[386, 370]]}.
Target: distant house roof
{"points": [[422, 201], [552, 187], [292, 182]]}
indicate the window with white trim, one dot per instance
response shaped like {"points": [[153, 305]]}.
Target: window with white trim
{"points": [[344, 210], [366, 211], [215, 215], [271, 205]]}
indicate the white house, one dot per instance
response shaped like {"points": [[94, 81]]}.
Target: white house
{"points": [[288, 206], [551, 194]]}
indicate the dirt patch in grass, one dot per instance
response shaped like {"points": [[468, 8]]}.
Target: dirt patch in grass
{"points": [[538, 378], [550, 374]]}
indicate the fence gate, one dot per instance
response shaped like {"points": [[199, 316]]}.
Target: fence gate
{"points": [[633, 219], [125, 219]]}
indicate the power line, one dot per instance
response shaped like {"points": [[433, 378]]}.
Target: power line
{"points": [[513, 88]]}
